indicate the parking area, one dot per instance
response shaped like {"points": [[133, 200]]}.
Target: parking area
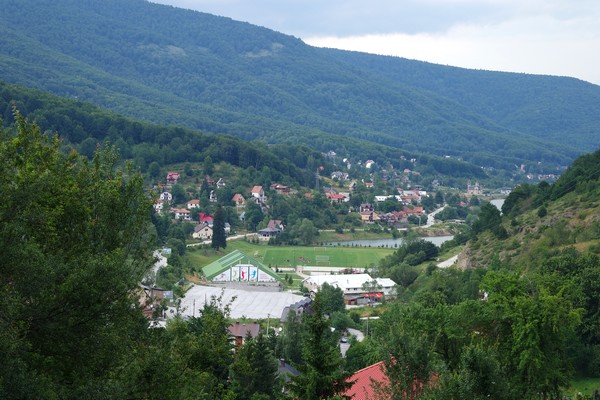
{"points": [[244, 303]]}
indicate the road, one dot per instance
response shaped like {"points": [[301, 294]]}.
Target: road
{"points": [[234, 237], [345, 346], [448, 263], [431, 217]]}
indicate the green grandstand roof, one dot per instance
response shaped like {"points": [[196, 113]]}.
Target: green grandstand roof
{"points": [[235, 257]]}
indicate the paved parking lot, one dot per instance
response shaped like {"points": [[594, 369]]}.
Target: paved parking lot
{"points": [[249, 304]]}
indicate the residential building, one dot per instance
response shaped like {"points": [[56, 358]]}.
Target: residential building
{"points": [[281, 189], [258, 193], [166, 197], [193, 204], [182, 214], [276, 223], [172, 177], [239, 332], [353, 285], [365, 382], [202, 231], [268, 233], [239, 200], [206, 218], [158, 206]]}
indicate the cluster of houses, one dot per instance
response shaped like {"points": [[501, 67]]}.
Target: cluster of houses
{"points": [[409, 199], [204, 224]]}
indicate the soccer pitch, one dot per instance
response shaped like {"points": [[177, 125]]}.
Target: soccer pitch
{"points": [[342, 257]]}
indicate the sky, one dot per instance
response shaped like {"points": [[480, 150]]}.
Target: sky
{"points": [[549, 37]]}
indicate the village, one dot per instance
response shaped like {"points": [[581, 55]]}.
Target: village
{"points": [[258, 292]]}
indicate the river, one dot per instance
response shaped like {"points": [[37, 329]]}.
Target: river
{"points": [[498, 203], [437, 240]]}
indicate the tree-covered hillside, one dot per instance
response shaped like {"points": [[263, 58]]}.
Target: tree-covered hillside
{"points": [[83, 125], [179, 67], [556, 109]]}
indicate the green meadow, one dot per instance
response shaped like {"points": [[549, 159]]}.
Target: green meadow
{"points": [[285, 256]]}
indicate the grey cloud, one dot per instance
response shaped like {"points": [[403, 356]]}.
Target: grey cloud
{"points": [[342, 18]]}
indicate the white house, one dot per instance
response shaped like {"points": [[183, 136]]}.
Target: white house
{"points": [[351, 284], [193, 204], [259, 193], [182, 214], [158, 206], [166, 196]]}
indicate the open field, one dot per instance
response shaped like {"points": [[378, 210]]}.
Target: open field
{"points": [[584, 386], [285, 256], [324, 256]]}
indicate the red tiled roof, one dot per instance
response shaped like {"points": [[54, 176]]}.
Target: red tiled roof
{"points": [[256, 189], [363, 379], [206, 217]]}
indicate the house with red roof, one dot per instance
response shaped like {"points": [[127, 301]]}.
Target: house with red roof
{"points": [[239, 200], [172, 177], [372, 383], [259, 194], [416, 210], [337, 198], [206, 219], [363, 388]]}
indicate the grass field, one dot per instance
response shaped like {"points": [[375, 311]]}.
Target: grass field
{"points": [[285, 256], [584, 386], [324, 256]]}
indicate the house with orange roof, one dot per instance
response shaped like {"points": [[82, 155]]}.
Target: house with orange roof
{"points": [[239, 200], [193, 204], [259, 194]]}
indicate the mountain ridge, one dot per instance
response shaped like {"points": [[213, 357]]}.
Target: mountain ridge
{"points": [[179, 67]]}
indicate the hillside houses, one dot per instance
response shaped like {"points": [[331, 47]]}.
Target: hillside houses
{"points": [[193, 204], [172, 177], [182, 214], [281, 189]]}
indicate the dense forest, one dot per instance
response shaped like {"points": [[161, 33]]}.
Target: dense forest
{"points": [[177, 67], [84, 125]]}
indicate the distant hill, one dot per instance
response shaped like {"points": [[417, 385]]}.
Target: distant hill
{"points": [[543, 220], [83, 125], [178, 67]]}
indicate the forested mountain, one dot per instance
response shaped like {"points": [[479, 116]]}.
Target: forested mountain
{"points": [[179, 67], [83, 125]]}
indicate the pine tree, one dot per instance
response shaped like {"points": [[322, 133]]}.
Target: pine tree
{"points": [[219, 238], [322, 374], [254, 371]]}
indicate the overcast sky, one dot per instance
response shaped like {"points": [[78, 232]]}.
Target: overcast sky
{"points": [[552, 37]]}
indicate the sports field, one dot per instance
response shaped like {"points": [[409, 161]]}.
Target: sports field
{"points": [[323, 256], [286, 256]]}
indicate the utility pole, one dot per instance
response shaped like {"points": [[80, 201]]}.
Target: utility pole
{"points": [[268, 320], [317, 180]]}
